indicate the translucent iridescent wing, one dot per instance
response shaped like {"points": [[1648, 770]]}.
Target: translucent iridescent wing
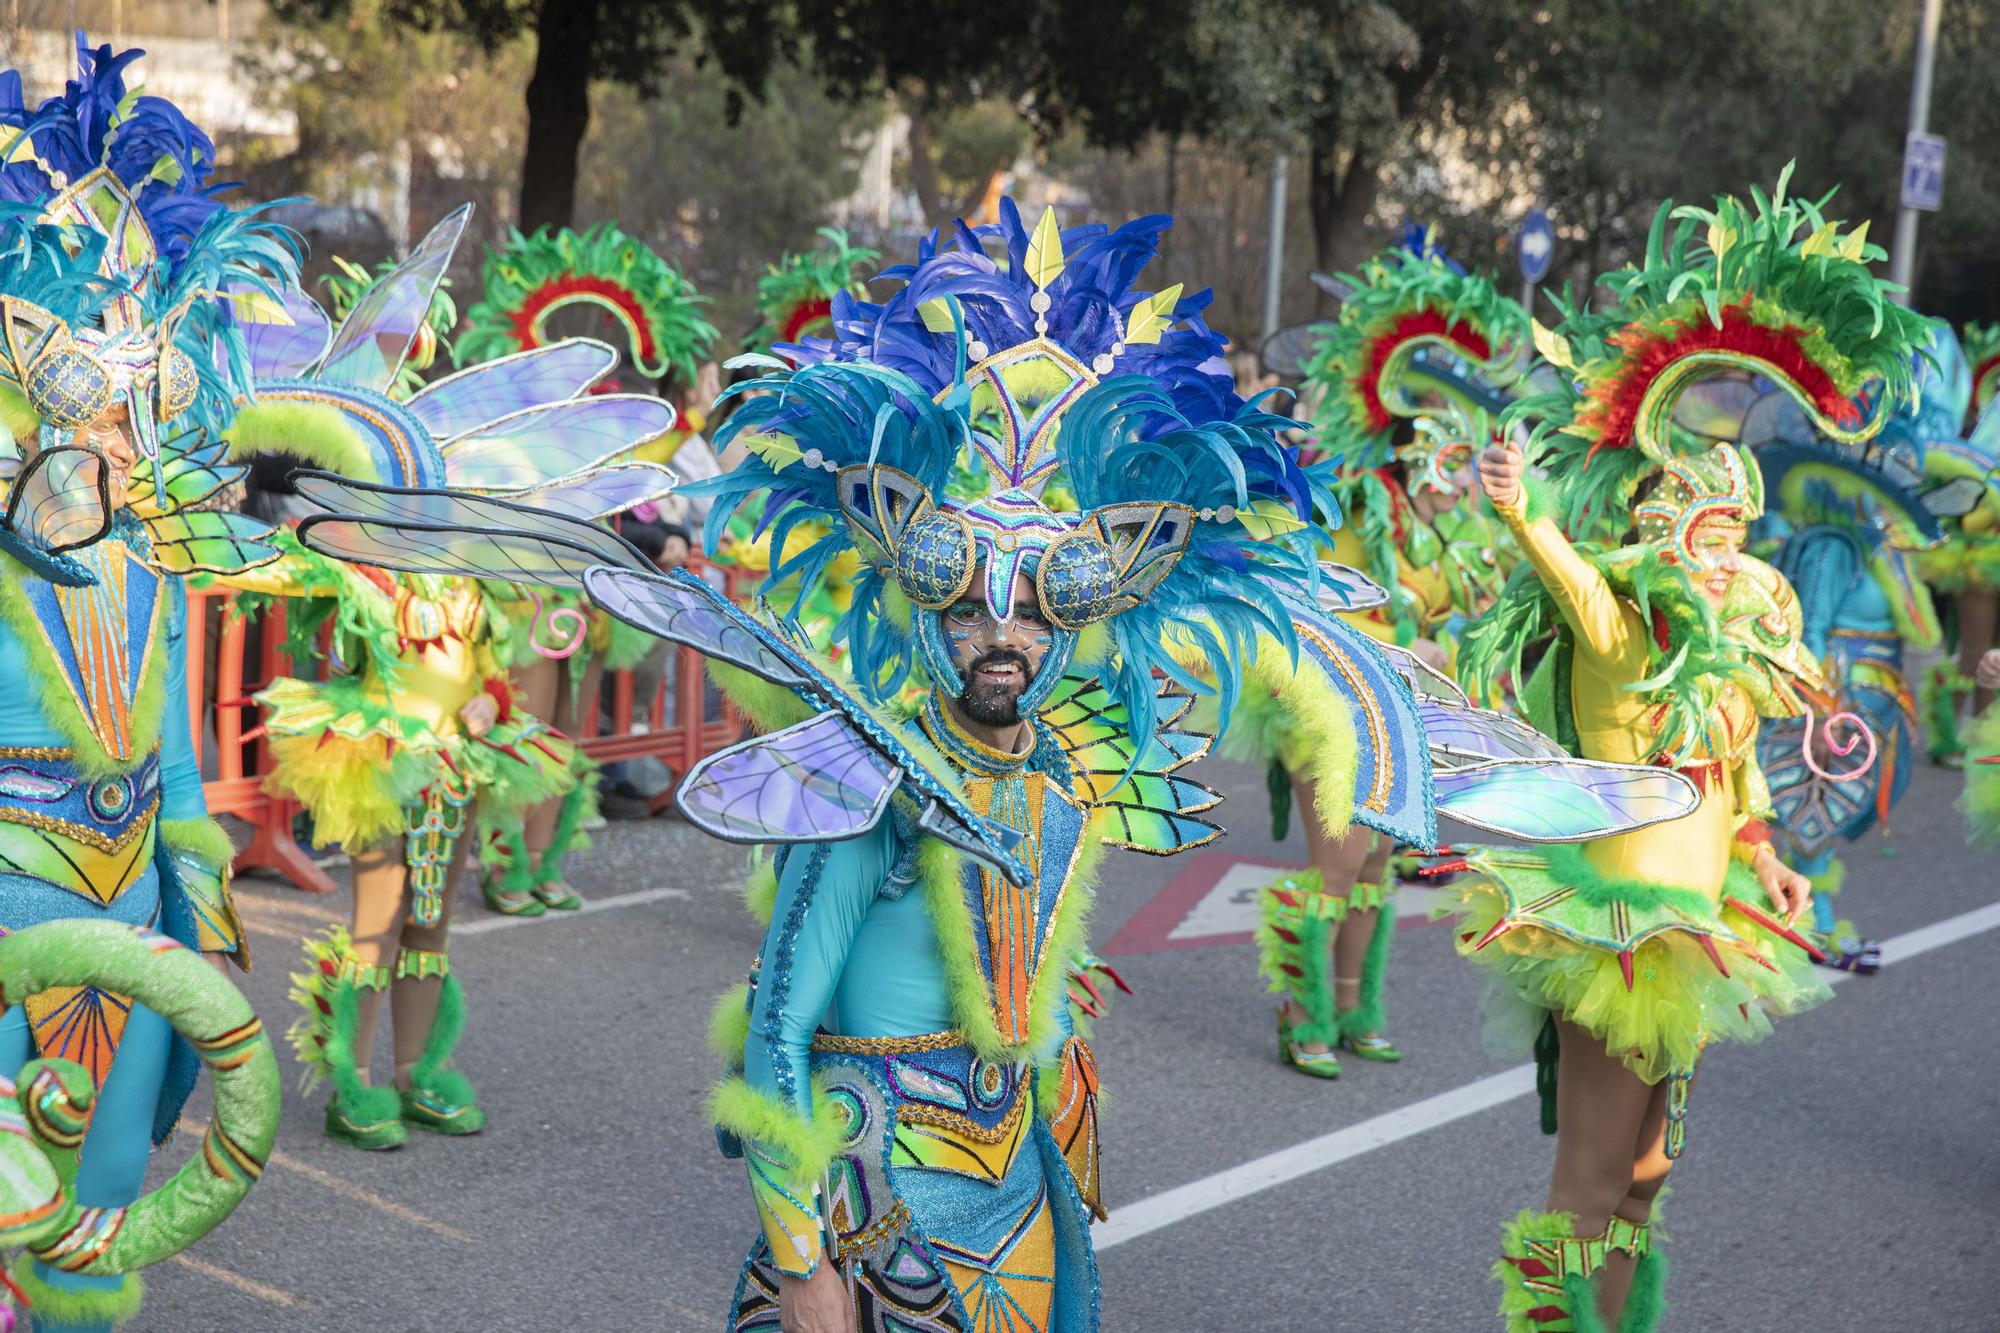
{"points": [[1562, 800], [1459, 735], [493, 389], [285, 336], [1424, 680], [506, 555], [545, 444], [59, 501], [371, 344], [479, 536], [1145, 806], [1392, 783], [602, 492], [193, 467], [688, 613], [681, 608], [817, 781], [209, 541]]}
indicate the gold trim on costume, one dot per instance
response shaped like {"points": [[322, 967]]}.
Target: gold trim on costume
{"points": [[928, 1041], [83, 833]]}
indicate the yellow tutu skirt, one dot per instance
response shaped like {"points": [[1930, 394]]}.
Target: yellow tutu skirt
{"points": [[1655, 972]]}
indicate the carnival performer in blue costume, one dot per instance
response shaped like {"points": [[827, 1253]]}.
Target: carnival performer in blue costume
{"points": [[1057, 493], [114, 386], [1851, 523]]}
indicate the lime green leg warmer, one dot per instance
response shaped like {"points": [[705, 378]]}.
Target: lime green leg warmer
{"points": [[431, 1074], [1646, 1299], [1294, 950], [577, 806], [1367, 1016], [1548, 1276]]}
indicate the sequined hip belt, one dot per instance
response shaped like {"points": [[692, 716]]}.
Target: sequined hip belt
{"points": [[91, 836]]}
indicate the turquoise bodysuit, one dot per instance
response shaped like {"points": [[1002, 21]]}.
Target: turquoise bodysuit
{"points": [[102, 818], [886, 1123]]}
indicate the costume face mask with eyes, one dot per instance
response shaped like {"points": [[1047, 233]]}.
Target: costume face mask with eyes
{"points": [[114, 382]]}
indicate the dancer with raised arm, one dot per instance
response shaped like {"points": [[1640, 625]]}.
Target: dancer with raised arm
{"points": [[1621, 959]]}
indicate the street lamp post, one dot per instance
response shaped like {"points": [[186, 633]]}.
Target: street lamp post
{"points": [[1274, 261], [1903, 250]]}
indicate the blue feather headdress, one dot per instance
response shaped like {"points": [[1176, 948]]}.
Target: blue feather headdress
{"points": [[1032, 414], [126, 182]]}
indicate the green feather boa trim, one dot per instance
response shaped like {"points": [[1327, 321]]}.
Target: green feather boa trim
{"points": [[16, 417], [769, 707], [1569, 866], [1980, 803], [59, 703], [447, 1027], [201, 838], [939, 869], [314, 432], [1368, 1017], [69, 1307], [1289, 713], [806, 1144], [760, 888], [1646, 1301], [729, 1026], [1696, 647]]}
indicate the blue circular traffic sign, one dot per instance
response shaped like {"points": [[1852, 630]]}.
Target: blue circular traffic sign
{"points": [[1536, 243]]}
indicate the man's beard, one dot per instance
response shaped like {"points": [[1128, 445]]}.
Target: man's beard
{"points": [[994, 705]]}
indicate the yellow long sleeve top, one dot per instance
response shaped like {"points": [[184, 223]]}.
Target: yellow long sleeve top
{"points": [[1617, 723]]}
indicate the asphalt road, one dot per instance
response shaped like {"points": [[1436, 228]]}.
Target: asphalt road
{"points": [[1845, 1175]]}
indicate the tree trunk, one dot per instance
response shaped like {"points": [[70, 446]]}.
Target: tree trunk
{"points": [[923, 167], [1340, 199], [558, 113], [1360, 188]]}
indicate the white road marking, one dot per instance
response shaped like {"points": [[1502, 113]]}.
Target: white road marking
{"points": [[496, 922], [1301, 1159]]}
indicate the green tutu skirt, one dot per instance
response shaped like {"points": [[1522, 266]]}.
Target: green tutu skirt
{"points": [[1655, 972]]}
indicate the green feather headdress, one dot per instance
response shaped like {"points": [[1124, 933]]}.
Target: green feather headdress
{"points": [[795, 295], [532, 277], [1414, 325], [1767, 289]]}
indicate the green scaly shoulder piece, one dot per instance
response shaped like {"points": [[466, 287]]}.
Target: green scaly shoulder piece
{"points": [[1695, 646]]}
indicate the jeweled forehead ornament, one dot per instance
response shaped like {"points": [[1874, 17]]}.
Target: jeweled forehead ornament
{"points": [[1722, 484], [1085, 567], [72, 375]]}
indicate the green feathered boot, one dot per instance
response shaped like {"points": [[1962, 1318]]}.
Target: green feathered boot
{"points": [[549, 887], [358, 1115], [511, 892], [1294, 922], [1361, 1026], [1548, 1276], [442, 1100]]}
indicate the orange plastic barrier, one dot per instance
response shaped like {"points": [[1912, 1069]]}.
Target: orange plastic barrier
{"points": [[219, 687]]}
